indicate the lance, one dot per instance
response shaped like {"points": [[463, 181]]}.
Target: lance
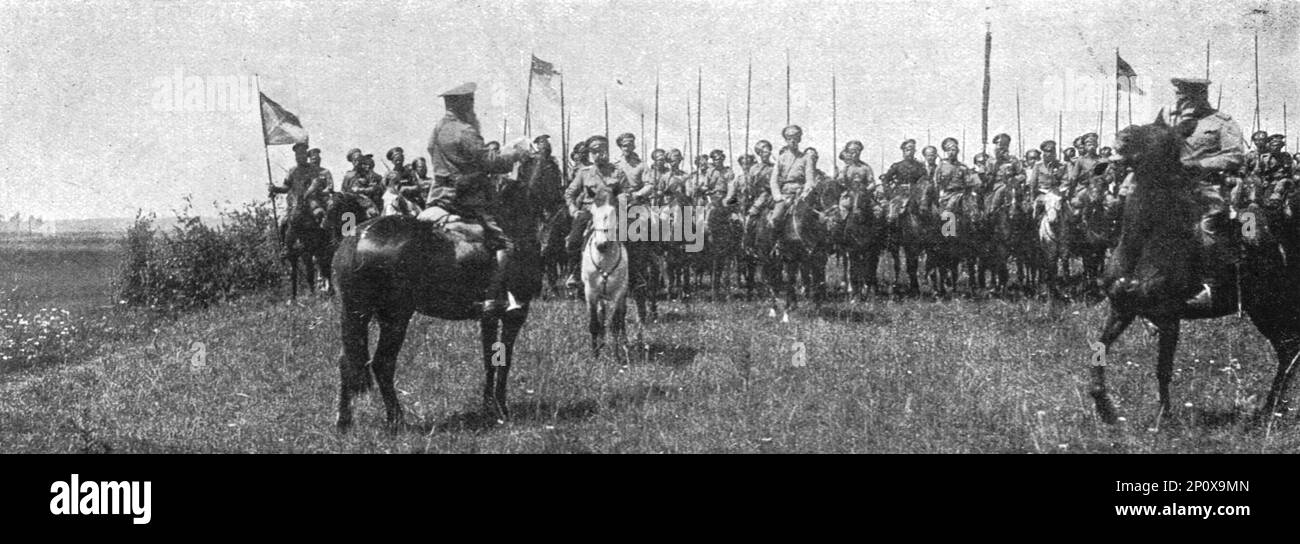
{"points": [[643, 153], [607, 115], [656, 110], [749, 82], [730, 151], [1285, 132], [1259, 123], [1101, 113], [1207, 59], [699, 111], [564, 134], [834, 127], [963, 143], [689, 148], [787, 87], [1020, 141], [505, 120], [1060, 131], [984, 120]]}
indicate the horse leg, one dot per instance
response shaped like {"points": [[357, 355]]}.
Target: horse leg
{"points": [[618, 330], [1168, 332], [392, 333], [353, 378], [595, 324], [1284, 335], [494, 392], [293, 274], [1116, 323]]}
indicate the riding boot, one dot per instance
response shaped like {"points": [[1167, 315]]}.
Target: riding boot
{"points": [[1218, 263], [495, 302]]}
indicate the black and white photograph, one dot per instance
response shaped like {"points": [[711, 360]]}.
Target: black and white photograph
{"points": [[1010, 227]]}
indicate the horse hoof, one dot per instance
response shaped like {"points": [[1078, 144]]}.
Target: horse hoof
{"points": [[785, 318], [771, 312]]}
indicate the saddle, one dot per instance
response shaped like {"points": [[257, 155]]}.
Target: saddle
{"points": [[466, 235]]}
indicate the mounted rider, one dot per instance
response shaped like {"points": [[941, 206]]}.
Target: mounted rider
{"points": [[905, 181], [1212, 145], [954, 180], [717, 178], [462, 169], [756, 194], [306, 186], [793, 178], [857, 180], [602, 182], [634, 169], [400, 187], [364, 182]]}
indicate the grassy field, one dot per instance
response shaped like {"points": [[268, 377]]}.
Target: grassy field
{"points": [[883, 376], [72, 272]]}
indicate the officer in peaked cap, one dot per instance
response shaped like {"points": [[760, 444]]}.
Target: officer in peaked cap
{"points": [[1212, 145], [462, 168]]}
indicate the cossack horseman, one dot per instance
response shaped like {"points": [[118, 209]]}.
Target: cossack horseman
{"points": [[462, 169]]}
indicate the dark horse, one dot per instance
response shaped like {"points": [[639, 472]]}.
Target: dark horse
{"points": [[1156, 268], [801, 252], [306, 241], [398, 265]]}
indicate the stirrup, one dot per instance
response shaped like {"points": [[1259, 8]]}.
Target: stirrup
{"points": [[1203, 299]]}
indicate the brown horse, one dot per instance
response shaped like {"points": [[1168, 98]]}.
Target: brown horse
{"points": [[1156, 267], [398, 265]]}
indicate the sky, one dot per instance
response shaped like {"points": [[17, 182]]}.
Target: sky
{"points": [[93, 127]]}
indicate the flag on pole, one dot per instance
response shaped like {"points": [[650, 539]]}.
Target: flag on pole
{"points": [[279, 125], [1124, 76], [542, 72]]}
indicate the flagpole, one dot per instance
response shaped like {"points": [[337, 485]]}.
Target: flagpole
{"points": [[528, 117], [1130, 91], [267, 151], [1130, 100]]}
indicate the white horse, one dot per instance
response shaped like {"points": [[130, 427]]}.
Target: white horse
{"points": [[605, 277]]}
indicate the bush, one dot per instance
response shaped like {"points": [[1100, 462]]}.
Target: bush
{"points": [[197, 265]]}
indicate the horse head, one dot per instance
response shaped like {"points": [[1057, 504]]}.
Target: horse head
{"points": [[604, 225], [1152, 151]]}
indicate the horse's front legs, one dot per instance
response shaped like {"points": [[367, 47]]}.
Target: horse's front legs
{"points": [[1116, 322]]}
